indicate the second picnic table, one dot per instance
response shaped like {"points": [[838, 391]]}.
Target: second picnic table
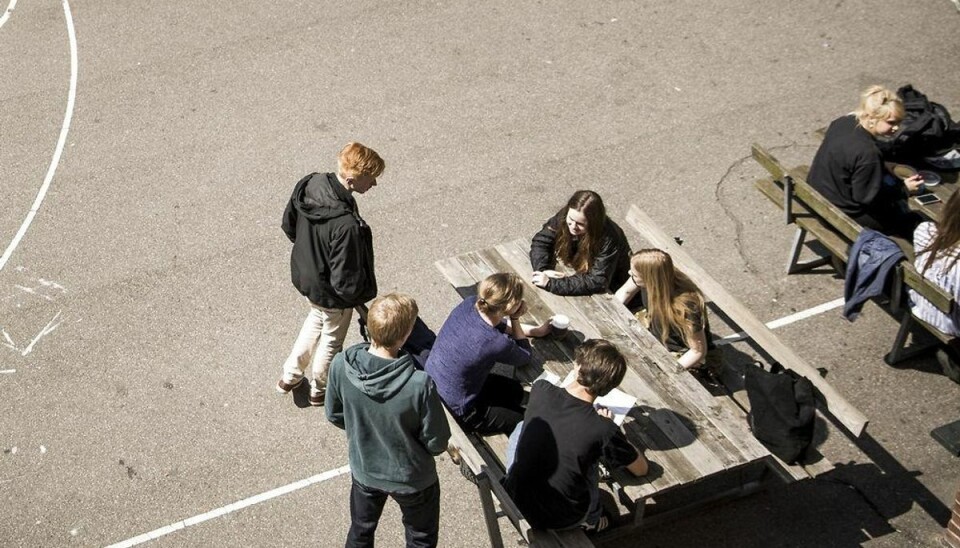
{"points": [[699, 445]]}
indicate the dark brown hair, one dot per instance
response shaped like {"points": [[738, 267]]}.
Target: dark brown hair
{"points": [[581, 258], [602, 366]]}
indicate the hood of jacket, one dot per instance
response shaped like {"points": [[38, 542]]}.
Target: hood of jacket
{"points": [[322, 197], [376, 377]]}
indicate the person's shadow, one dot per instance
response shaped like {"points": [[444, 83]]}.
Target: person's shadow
{"points": [[301, 395]]}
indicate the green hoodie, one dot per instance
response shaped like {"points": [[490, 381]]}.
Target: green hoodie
{"points": [[393, 418]]}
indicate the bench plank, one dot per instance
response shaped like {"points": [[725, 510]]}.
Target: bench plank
{"points": [[839, 407]]}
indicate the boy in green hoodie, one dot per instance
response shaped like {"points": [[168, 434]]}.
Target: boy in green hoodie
{"points": [[395, 426]]}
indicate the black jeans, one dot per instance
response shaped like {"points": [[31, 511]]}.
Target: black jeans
{"points": [[421, 515], [498, 408]]}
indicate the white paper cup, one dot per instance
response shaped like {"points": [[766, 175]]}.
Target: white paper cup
{"points": [[559, 325]]}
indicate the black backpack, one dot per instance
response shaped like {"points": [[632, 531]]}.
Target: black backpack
{"points": [[781, 412], [927, 129]]}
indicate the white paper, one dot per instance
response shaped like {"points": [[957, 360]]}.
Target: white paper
{"points": [[551, 378]]}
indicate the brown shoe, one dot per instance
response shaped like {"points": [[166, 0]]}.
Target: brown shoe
{"points": [[285, 387], [317, 397]]}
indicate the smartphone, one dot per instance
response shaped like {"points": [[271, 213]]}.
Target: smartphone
{"points": [[927, 199]]}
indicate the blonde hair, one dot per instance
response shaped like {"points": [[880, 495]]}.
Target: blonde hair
{"points": [[390, 319], [878, 103], [355, 160], [499, 293], [672, 295]]}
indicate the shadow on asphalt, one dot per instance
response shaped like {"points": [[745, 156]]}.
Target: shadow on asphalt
{"points": [[301, 395]]}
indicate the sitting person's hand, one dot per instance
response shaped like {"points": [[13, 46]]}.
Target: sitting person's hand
{"points": [[540, 279], [605, 413], [520, 310], [913, 183]]}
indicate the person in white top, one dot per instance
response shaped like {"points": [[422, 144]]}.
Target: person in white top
{"points": [[938, 251]]}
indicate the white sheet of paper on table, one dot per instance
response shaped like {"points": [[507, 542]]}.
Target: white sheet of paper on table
{"points": [[617, 401]]}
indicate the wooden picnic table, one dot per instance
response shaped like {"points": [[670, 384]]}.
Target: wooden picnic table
{"points": [[699, 445]]}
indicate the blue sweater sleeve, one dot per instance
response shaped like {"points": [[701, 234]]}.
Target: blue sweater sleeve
{"points": [[516, 353]]}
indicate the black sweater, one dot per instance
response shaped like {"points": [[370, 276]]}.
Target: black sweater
{"points": [[848, 169]]}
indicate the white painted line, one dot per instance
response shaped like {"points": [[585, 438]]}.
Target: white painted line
{"points": [[64, 129], [256, 499], [6, 12], [8, 370], [43, 332], [786, 320]]}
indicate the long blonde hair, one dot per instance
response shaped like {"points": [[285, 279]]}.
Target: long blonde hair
{"points": [[671, 294]]}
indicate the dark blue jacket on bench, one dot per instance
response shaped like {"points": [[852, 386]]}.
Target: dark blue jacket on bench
{"points": [[872, 257]]}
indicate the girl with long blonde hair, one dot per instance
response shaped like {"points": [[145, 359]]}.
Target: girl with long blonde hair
{"points": [[675, 313]]}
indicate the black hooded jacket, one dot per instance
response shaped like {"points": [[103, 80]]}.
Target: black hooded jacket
{"points": [[332, 259]]}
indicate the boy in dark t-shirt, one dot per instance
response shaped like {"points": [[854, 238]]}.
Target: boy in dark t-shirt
{"points": [[553, 478]]}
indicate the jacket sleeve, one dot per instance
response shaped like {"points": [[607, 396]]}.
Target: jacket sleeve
{"points": [[333, 404], [542, 255], [435, 431], [596, 280], [348, 274], [290, 214]]}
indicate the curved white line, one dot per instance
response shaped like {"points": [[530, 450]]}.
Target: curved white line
{"points": [[6, 12], [71, 98]]}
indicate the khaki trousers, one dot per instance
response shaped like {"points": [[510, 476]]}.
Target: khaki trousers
{"points": [[320, 338]]}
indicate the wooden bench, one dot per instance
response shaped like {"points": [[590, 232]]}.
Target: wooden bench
{"points": [[814, 215], [830, 400]]}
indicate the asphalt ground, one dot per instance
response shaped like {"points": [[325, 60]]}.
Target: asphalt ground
{"points": [[148, 304]]}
